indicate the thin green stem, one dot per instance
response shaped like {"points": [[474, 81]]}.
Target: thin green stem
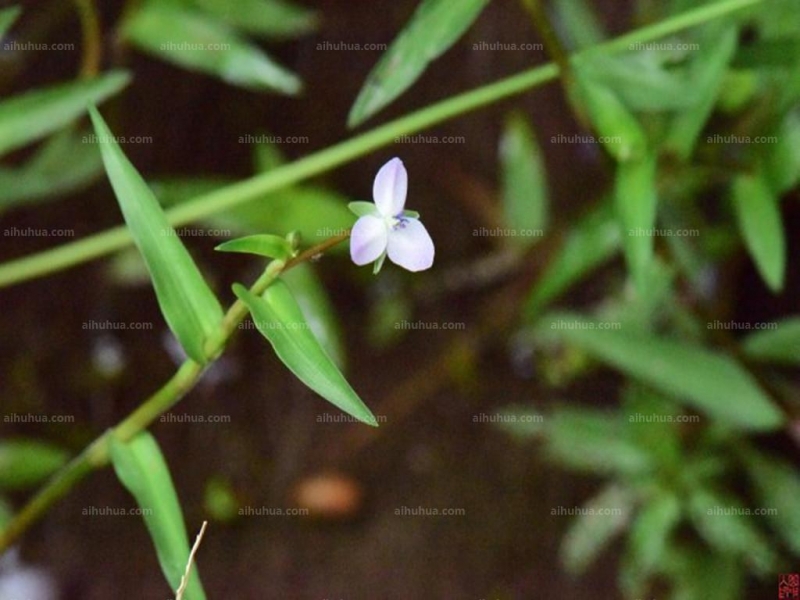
{"points": [[96, 455], [92, 44], [111, 240], [552, 44]]}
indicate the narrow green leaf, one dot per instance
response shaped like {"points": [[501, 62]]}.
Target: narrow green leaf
{"points": [[25, 463], [189, 306], [710, 382], [720, 521], [759, 218], [435, 26], [141, 468], [34, 115], [777, 486], [635, 201], [707, 73], [277, 19], [779, 345], [362, 209], [317, 309], [63, 165], [782, 162], [263, 244], [602, 518], [593, 442], [191, 40], [650, 531], [593, 240], [578, 23], [7, 18], [279, 319], [525, 197], [622, 135]]}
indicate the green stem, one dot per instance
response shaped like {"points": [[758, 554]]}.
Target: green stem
{"points": [[111, 240], [92, 44], [96, 455]]}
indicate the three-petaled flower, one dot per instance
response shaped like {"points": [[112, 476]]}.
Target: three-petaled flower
{"points": [[385, 228]]}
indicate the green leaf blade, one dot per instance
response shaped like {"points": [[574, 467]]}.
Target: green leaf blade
{"points": [[141, 468], [780, 345], [263, 244], [759, 218], [190, 308], [27, 118], [279, 318], [434, 27], [24, 463]]}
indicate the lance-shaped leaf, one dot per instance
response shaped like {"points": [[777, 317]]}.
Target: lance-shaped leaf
{"points": [[782, 163], [62, 165], [602, 518], [706, 76], [779, 345], [34, 115], [269, 18], [435, 26], [189, 306], [592, 241], [141, 468], [262, 244], [7, 18], [710, 382], [651, 530], [759, 218], [621, 133], [525, 201], [279, 319], [635, 201], [313, 299], [191, 40], [24, 463], [577, 22], [777, 486]]}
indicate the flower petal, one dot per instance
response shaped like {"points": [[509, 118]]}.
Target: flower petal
{"points": [[410, 246], [368, 239], [390, 187]]}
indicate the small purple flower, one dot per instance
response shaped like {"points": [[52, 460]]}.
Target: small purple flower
{"points": [[385, 228]]}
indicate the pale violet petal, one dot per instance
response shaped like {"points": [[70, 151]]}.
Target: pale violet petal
{"points": [[390, 187], [368, 239], [410, 246]]}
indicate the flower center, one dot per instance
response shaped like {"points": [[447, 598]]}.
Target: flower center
{"points": [[396, 223]]}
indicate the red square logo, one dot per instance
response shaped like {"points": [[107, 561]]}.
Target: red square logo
{"points": [[789, 586]]}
